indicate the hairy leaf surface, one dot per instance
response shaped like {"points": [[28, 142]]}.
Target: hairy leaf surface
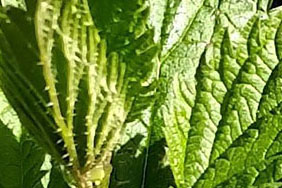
{"points": [[169, 93]]}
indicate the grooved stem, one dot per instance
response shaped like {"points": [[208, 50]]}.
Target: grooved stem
{"points": [[92, 89], [45, 40]]}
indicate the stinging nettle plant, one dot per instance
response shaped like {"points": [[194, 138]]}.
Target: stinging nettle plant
{"points": [[148, 93], [73, 93]]}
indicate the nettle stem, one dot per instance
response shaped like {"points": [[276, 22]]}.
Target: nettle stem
{"points": [[69, 25], [47, 14], [83, 181], [97, 177]]}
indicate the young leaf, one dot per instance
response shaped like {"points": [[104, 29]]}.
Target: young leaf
{"points": [[78, 82]]}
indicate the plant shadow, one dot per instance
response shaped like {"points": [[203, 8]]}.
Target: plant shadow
{"points": [[143, 170]]}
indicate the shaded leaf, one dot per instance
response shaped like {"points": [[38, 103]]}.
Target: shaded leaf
{"points": [[56, 178], [20, 161]]}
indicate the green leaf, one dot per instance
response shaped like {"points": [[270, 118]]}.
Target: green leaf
{"points": [[20, 161], [186, 93], [181, 73], [126, 157], [56, 178], [138, 166], [214, 92], [14, 3], [9, 116], [195, 64]]}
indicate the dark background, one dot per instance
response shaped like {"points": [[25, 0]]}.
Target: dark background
{"points": [[276, 3]]}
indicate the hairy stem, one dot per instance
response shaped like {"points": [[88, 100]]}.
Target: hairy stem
{"points": [[48, 13]]}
